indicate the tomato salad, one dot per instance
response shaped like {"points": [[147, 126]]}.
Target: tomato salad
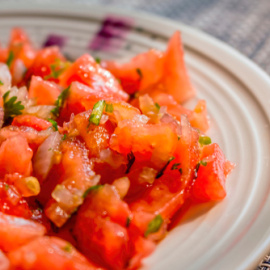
{"points": [[97, 157]]}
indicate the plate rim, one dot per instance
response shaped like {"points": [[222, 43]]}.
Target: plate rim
{"points": [[210, 46]]}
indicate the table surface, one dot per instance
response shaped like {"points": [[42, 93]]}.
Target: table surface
{"points": [[243, 24]]}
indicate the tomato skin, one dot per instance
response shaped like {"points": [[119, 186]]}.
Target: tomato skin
{"points": [[210, 183], [31, 121], [44, 92], [140, 73], [86, 71], [175, 80], [15, 231], [10, 161], [48, 253]]}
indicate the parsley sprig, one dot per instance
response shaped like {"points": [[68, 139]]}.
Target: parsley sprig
{"points": [[11, 107], [60, 102]]}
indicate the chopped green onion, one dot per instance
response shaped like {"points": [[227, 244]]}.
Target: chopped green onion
{"points": [[10, 58], [138, 70], [68, 248], [128, 222], [154, 225], [109, 108], [96, 187], [131, 160], [175, 166], [60, 102], [98, 60], [157, 105], [204, 140], [97, 112], [160, 173], [203, 162], [54, 124]]}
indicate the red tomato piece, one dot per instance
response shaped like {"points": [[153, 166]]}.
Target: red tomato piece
{"points": [[15, 231], [21, 47], [175, 79], [169, 192], [140, 73], [15, 156], [12, 203], [147, 141], [82, 98], [48, 253], [44, 92], [31, 121], [210, 183], [42, 64], [3, 54], [33, 137], [85, 70], [100, 228]]}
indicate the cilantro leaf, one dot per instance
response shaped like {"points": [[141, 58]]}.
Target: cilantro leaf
{"points": [[97, 112], [96, 187], [1, 83], [60, 102], [160, 173], [10, 58], [54, 124], [11, 108], [57, 69], [98, 60], [157, 105], [68, 248], [138, 70], [131, 160], [154, 225]]}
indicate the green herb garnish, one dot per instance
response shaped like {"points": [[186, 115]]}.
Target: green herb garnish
{"points": [[109, 108], [138, 70], [154, 225], [6, 187], [54, 124], [64, 137], [68, 248], [10, 58], [1, 83], [60, 102], [157, 105], [204, 140], [131, 160], [11, 108], [97, 112], [203, 162], [98, 60], [57, 69], [160, 173], [96, 187], [175, 166], [196, 170], [128, 222]]}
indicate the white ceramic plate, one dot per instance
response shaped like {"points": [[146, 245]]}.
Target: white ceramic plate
{"points": [[235, 233]]}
